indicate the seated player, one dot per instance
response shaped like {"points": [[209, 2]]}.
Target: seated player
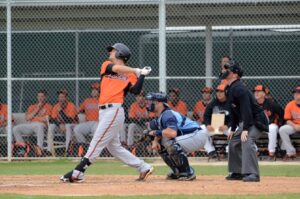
{"points": [[292, 117], [275, 114], [37, 117], [138, 118], [63, 119], [90, 108], [199, 108], [175, 135], [175, 103]]}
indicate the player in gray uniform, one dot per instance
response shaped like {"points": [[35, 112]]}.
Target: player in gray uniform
{"points": [[174, 136]]}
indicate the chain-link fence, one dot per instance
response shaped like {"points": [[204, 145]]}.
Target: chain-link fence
{"points": [[61, 44]]}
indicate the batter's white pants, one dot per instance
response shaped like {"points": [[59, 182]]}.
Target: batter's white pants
{"points": [[111, 120], [83, 129], [272, 135], [52, 129], [285, 131], [123, 133], [133, 130], [33, 128]]}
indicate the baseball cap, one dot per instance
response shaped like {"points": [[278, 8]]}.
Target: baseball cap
{"points": [[206, 89], [221, 87], [95, 85], [297, 90], [259, 87]]}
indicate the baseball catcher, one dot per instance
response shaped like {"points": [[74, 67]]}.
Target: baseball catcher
{"points": [[174, 135]]}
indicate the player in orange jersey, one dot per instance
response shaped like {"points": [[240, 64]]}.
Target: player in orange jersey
{"points": [[116, 80], [175, 103], [36, 116], [199, 108], [292, 117], [63, 119]]}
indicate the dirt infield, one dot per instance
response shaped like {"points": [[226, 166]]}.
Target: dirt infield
{"points": [[126, 185]]}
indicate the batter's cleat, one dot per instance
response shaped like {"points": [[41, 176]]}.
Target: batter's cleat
{"points": [[172, 176], [188, 177], [234, 176], [251, 178], [144, 175], [73, 176]]}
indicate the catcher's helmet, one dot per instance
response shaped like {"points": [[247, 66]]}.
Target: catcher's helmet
{"points": [[234, 67], [123, 51], [160, 97]]}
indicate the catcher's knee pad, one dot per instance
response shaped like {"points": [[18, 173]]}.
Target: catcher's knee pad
{"points": [[178, 156]]}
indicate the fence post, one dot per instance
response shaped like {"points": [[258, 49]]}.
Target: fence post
{"points": [[9, 105], [162, 46]]}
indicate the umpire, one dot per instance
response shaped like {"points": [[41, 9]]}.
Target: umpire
{"points": [[247, 122]]}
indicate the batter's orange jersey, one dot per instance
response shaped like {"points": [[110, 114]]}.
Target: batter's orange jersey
{"points": [[136, 112], [90, 108], [292, 112], [180, 107], [113, 86], [3, 114], [44, 111], [198, 111], [70, 111]]}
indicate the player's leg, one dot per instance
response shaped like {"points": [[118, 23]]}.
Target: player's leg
{"points": [[80, 131], [285, 131], [132, 127], [249, 158], [179, 157], [208, 146], [272, 135], [105, 132], [235, 157], [174, 174], [69, 134], [124, 155], [39, 130], [20, 130]]}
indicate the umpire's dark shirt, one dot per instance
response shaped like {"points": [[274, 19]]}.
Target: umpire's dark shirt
{"points": [[243, 106]]}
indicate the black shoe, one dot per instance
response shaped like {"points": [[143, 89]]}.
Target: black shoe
{"points": [[251, 178], [234, 176], [172, 176], [213, 155]]}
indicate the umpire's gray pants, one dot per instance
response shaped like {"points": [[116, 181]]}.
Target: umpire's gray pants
{"points": [[242, 155]]}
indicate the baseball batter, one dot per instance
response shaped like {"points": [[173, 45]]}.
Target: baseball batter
{"points": [[175, 135], [116, 80]]}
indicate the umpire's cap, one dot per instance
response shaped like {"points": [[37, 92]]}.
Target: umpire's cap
{"points": [[123, 51], [160, 97], [234, 67]]}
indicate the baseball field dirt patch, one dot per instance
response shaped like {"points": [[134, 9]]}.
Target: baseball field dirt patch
{"points": [[96, 185]]}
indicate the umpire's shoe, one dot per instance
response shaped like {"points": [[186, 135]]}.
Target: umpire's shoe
{"points": [[234, 176], [251, 178], [172, 176], [73, 176], [144, 175]]}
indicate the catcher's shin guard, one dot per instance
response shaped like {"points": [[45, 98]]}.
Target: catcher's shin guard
{"points": [[166, 158], [179, 157]]}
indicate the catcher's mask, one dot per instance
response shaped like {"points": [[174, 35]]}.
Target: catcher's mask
{"points": [[159, 97], [122, 51], [231, 67]]}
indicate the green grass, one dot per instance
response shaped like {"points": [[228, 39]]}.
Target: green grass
{"points": [[279, 196], [58, 167]]}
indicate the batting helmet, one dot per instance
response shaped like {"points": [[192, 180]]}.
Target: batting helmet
{"points": [[123, 51]]}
